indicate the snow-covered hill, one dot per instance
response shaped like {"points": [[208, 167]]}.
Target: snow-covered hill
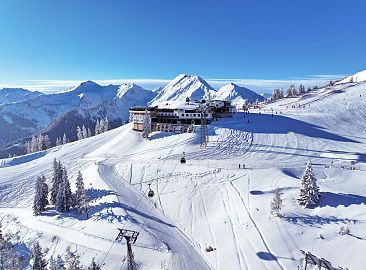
{"points": [[183, 86], [209, 201], [355, 78], [238, 95]]}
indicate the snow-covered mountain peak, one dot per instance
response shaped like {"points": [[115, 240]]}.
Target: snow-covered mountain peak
{"points": [[128, 87], [238, 95], [183, 86]]}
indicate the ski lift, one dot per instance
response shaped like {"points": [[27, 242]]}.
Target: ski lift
{"points": [[183, 158], [150, 193]]}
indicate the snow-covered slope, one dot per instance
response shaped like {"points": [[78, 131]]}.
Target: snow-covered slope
{"points": [[238, 95], [209, 201], [9, 95], [355, 78], [183, 86]]}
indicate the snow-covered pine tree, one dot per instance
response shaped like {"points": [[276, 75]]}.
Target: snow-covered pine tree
{"points": [[79, 133], [28, 147], [64, 139], [85, 132], [67, 191], [37, 201], [46, 142], [276, 203], [101, 126], [60, 264], [55, 180], [146, 125], [81, 202], [58, 141], [301, 89], [60, 198], [97, 127], [89, 133], [39, 262], [309, 191], [64, 195], [72, 260], [94, 265], [9, 260], [40, 142], [44, 193], [52, 263], [106, 124], [33, 145]]}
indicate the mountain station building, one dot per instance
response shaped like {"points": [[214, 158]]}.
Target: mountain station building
{"points": [[179, 116]]}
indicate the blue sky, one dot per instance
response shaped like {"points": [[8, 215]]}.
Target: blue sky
{"points": [[51, 44]]}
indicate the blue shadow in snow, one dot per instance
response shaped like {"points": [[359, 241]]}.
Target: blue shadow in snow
{"points": [[280, 124], [290, 173], [161, 134], [340, 199], [266, 256], [26, 158], [256, 192], [316, 220]]}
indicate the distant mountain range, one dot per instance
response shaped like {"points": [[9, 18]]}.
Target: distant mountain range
{"points": [[24, 112]]}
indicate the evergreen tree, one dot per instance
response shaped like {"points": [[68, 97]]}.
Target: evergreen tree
{"points": [[39, 262], [37, 202], [94, 266], [89, 133], [276, 204], [56, 179], [85, 132], [28, 147], [106, 124], [60, 199], [9, 260], [309, 191], [302, 89], [44, 193], [72, 260], [58, 141], [60, 264], [79, 133], [64, 139], [67, 191], [97, 127], [53, 264], [64, 198], [81, 202], [101, 126], [291, 92], [33, 144]]}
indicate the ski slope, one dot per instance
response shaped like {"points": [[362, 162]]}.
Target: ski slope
{"points": [[209, 202]]}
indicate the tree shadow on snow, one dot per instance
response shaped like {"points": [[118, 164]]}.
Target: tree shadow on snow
{"points": [[95, 194], [316, 220], [340, 199], [266, 256], [291, 173], [110, 216]]}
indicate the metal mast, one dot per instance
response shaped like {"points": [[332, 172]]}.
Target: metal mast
{"points": [[131, 237]]}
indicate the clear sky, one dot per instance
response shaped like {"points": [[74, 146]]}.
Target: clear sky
{"points": [[72, 40]]}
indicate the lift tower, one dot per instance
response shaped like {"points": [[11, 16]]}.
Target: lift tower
{"points": [[131, 237]]}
